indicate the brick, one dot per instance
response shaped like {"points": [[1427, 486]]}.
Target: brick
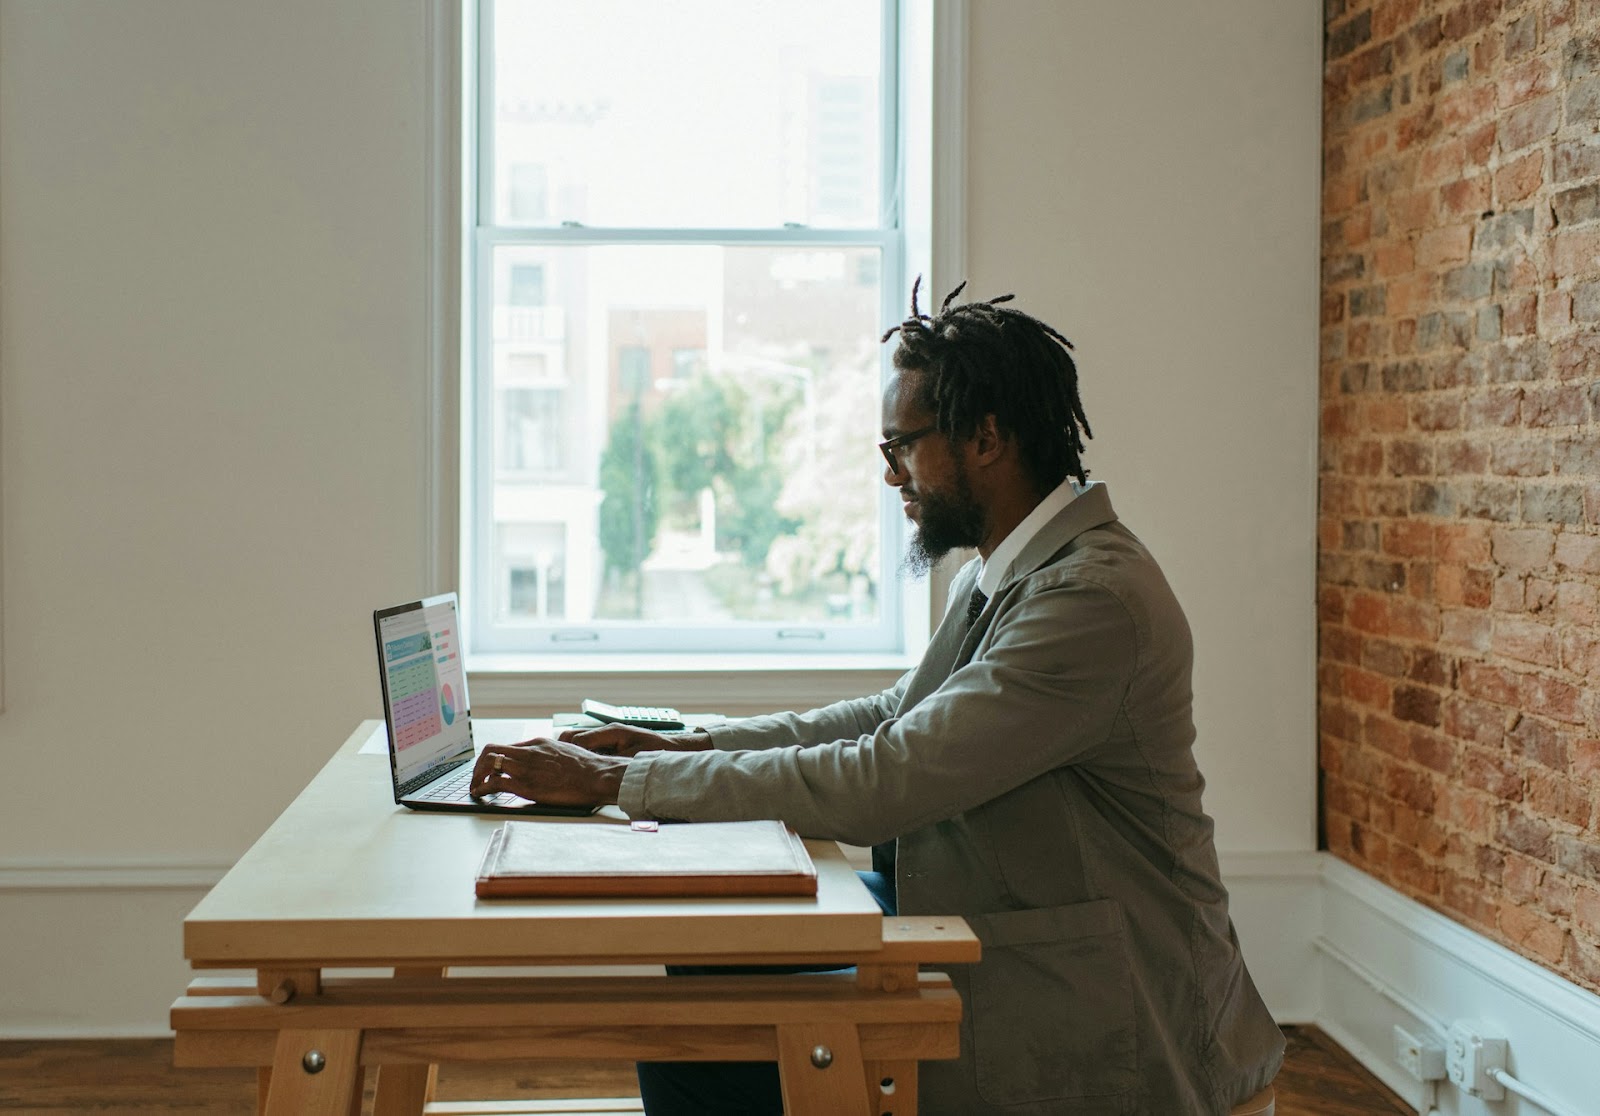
{"points": [[1518, 179], [1539, 741], [1522, 877], [1555, 405], [1519, 316], [1506, 229], [1371, 104], [1527, 834], [1465, 810], [1526, 642], [1579, 857], [1580, 653], [1586, 909], [1416, 704], [1433, 751], [1578, 603], [1389, 737], [1468, 283], [1575, 357], [1452, 244], [1584, 758], [1575, 206], [1364, 458], [1533, 933], [1494, 408], [1367, 302], [1491, 773], [1510, 593], [1349, 35], [1527, 80], [1522, 548], [1555, 699], [1586, 302], [1582, 102], [1530, 123], [1462, 542], [1435, 412], [1409, 459], [1581, 56], [1461, 456], [1474, 721], [1555, 310], [1522, 36], [1383, 657], [1340, 269], [1442, 162], [1465, 629], [1490, 683], [1578, 456], [1468, 17], [1577, 253], [1522, 457], [1393, 259], [1552, 504], [1466, 197], [1411, 211], [1575, 159], [1492, 500], [1577, 552]]}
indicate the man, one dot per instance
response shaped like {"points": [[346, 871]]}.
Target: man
{"points": [[1034, 773]]}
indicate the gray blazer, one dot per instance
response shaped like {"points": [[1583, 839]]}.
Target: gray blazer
{"points": [[1036, 771]]}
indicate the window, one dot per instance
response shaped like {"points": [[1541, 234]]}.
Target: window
{"points": [[687, 242]]}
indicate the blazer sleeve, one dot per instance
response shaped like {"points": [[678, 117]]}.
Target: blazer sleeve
{"points": [[1043, 691], [843, 720]]}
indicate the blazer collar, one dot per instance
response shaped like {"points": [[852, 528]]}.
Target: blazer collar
{"points": [[1089, 509]]}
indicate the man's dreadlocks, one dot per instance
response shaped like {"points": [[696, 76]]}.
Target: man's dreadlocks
{"points": [[981, 359]]}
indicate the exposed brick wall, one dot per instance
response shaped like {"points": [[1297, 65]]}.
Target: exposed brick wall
{"points": [[1459, 528]]}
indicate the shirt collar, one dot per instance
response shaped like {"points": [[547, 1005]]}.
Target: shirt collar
{"points": [[993, 574]]}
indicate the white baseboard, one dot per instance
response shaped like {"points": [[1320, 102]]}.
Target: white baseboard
{"points": [[1383, 959]]}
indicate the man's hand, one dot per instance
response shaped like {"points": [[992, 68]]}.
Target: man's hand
{"points": [[549, 771], [626, 740]]}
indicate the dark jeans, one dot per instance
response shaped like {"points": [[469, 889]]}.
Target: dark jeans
{"points": [[730, 1088]]}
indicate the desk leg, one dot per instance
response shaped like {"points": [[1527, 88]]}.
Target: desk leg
{"points": [[404, 1090], [332, 1090], [835, 1087]]}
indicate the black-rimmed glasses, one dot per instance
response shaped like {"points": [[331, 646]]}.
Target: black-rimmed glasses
{"points": [[899, 440]]}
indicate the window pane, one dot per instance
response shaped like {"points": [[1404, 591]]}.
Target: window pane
{"points": [[639, 113], [687, 433]]}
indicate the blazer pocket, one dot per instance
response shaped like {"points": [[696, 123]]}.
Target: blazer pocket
{"points": [[1052, 1005]]}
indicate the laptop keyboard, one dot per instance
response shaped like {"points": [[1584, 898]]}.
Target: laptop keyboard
{"points": [[454, 789]]}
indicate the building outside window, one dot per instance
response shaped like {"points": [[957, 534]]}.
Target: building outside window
{"points": [[687, 244]]}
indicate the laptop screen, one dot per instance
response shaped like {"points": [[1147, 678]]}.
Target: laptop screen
{"points": [[425, 687]]}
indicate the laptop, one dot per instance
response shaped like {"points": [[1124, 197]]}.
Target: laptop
{"points": [[426, 709]]}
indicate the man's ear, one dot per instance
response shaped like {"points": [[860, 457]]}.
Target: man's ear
{"points": [[988, 442]]}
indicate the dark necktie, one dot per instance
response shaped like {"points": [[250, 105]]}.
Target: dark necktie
{"points": [[975, 605]]}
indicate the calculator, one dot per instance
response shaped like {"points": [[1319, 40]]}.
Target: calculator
{"points": [[640, 716]]}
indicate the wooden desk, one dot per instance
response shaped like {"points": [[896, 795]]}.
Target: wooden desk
{"points": [[346, 879]]}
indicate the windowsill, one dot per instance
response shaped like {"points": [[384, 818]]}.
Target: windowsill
{"points": [[737, 684]]}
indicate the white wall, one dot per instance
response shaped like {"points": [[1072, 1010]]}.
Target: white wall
{"points": [[213, 297], [1146, 176]]}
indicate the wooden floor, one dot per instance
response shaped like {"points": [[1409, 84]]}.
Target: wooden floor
{"points": [[135, 1076]]}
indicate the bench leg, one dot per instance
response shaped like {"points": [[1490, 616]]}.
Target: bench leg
{"points": [[403, 1090], [331, 1090], [892, 1087], [835, 1087]]}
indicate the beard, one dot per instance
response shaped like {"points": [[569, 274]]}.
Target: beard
{"points": [[949, 520]]}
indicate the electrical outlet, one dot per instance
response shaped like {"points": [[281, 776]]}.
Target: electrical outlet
{"points": [[1422, 1057], [1469, 1058]]}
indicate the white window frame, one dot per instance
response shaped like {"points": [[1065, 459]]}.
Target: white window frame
{"points": [[930, 92]]}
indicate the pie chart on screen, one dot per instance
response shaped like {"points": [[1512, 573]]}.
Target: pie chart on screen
{"points": [[447, 704]]}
